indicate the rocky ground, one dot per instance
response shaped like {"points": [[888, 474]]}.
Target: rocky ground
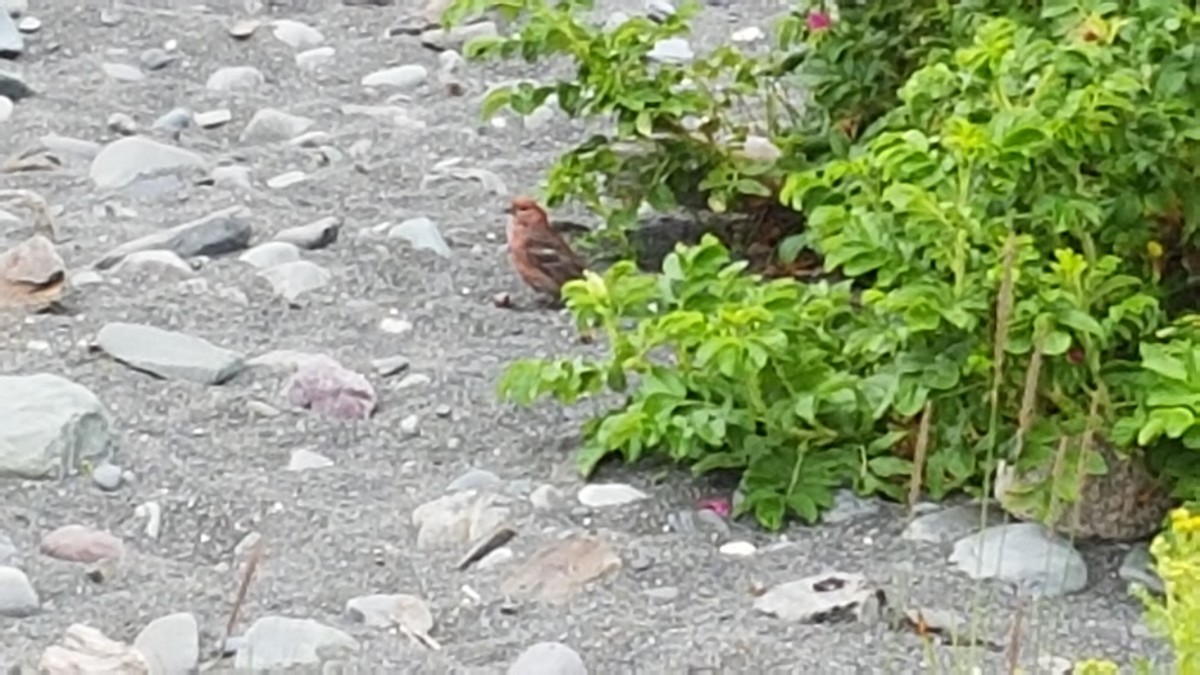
{"points": [[211, 397]]}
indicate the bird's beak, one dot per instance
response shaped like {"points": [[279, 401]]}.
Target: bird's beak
{"points": [[508, 210]]}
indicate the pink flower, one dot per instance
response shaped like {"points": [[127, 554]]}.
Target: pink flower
{"points": [[819, 21], [718, 505]]}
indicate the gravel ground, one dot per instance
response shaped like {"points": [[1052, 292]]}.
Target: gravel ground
{"points": [[216, 467]]}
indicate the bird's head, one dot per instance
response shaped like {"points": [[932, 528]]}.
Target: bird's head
{"points": [[525, 211]]}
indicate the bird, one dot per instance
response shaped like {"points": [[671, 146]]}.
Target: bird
{"points": [[538, 253]]}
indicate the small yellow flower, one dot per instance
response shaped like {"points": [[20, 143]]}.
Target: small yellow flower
{"points": [[1154, 249]]}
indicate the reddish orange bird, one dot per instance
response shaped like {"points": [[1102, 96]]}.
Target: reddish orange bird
{"points": [[539, 254]]}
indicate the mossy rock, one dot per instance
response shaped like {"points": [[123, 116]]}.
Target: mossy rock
{"points": [[1127, 503]]}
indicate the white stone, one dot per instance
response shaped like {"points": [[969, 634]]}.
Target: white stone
{"points": [[17, 596], [235, 78], [270, 254], [50, 424], [398, 77], [1022, 554], [548, 658], [423, 234], [125, 160], [601, 495], [274, 642], [297, 35], [170, 644], [293, 279], [312, 60], [738, 549]]}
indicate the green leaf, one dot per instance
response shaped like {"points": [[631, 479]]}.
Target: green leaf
{"points": [[1056, 343], [494, 101], [1158, 359], [768, 510], [1174, 421], [890, 466]]}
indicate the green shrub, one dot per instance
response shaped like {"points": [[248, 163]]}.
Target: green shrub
{"points": [[1006, 191]]}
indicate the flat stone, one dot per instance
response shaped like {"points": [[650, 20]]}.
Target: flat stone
{"points": [[286, 180], [155, 58], [218, 233], [168, 354], [297, 35], [154, 261], [457, 519], [211, 119], [52, 425], [81, 544], [85, 650], [235, 79], [312, 60], [6, 109], [107, 476], [398, 77], [125, 160], [270, 254], [282, 642], [816, 599], [748, 34], [173, 121], [1137, 567], [12, 44], [234, 176], [548, 658], [1024, 555], [18, 599], [389, 365], [384, 610], [243, 28], [270, 125], [738, 549], [29, 24], [558, 571], [600, 495], [314, 235], [946, 525], [848, 506], [13, 86], [423, 234], [671, 50], [76, 147], [291, 280], [307, 460], [120, 71], [170, 644]]}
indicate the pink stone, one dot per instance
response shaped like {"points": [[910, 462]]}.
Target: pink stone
{"points": [[327, 388], [717, 505], [77, 543]]}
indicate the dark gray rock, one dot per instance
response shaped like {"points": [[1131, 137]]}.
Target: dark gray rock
{"points": [[224, 231]]}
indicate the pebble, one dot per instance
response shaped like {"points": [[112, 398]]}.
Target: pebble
{"points": [[291, 280], [312, 60], [243, 29], [423, 234], [306, 460], [314, 235], [29, 24], [601, 495], [1136, 567], [414, 380], [170, 644], [390, 365], [474, 479], [269, 125], [125, 160], [235, 79], [384, 610], [18, 599], [14, 87], [270, 254], [233, 176], [173, 121], [327, 388], [748, 34], [671, 50], [275, 642], [123, 72], [738, 549], [107, 476], [77, 543], [1024, 555], [410, 425], [50, 423], [169, 354], [457, 519], [548, 658], [211, 119], [848, 506], [297, 35], [12, 45], [8, 551], [546, 497], [155, 58], [399, 77], [122, 124], [286, 180], [6, 109], [816, 598]]}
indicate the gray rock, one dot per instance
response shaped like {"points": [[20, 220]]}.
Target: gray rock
{"points": [[286, 180], [126, 160], [221, 232], [548, 658], [601, 495], [156, 58], [457, 36], [122, 123], [1136, 567], [545, 497], [6, 109], [234, 177], [314, 235], [13, 86], [12, 44], [168, 354], [269, 125], [174, 121], [243, 28], [671, 50], [312, 60], [170, 644], [422, 233], [154, 261], [51, 424], [297, 35], [1022, 554], [235, 79], [307, 460], [29, 24], [384, 610], [66, 145], [474, 479], [659, 10], [283, 642], [123, 72], [403, 77], [107, 476], [816, 599], [18, 598], [945, 525], [293, 279], [211, 119], [270, 254], [457, 519], [848, 506], [390, 365]]}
